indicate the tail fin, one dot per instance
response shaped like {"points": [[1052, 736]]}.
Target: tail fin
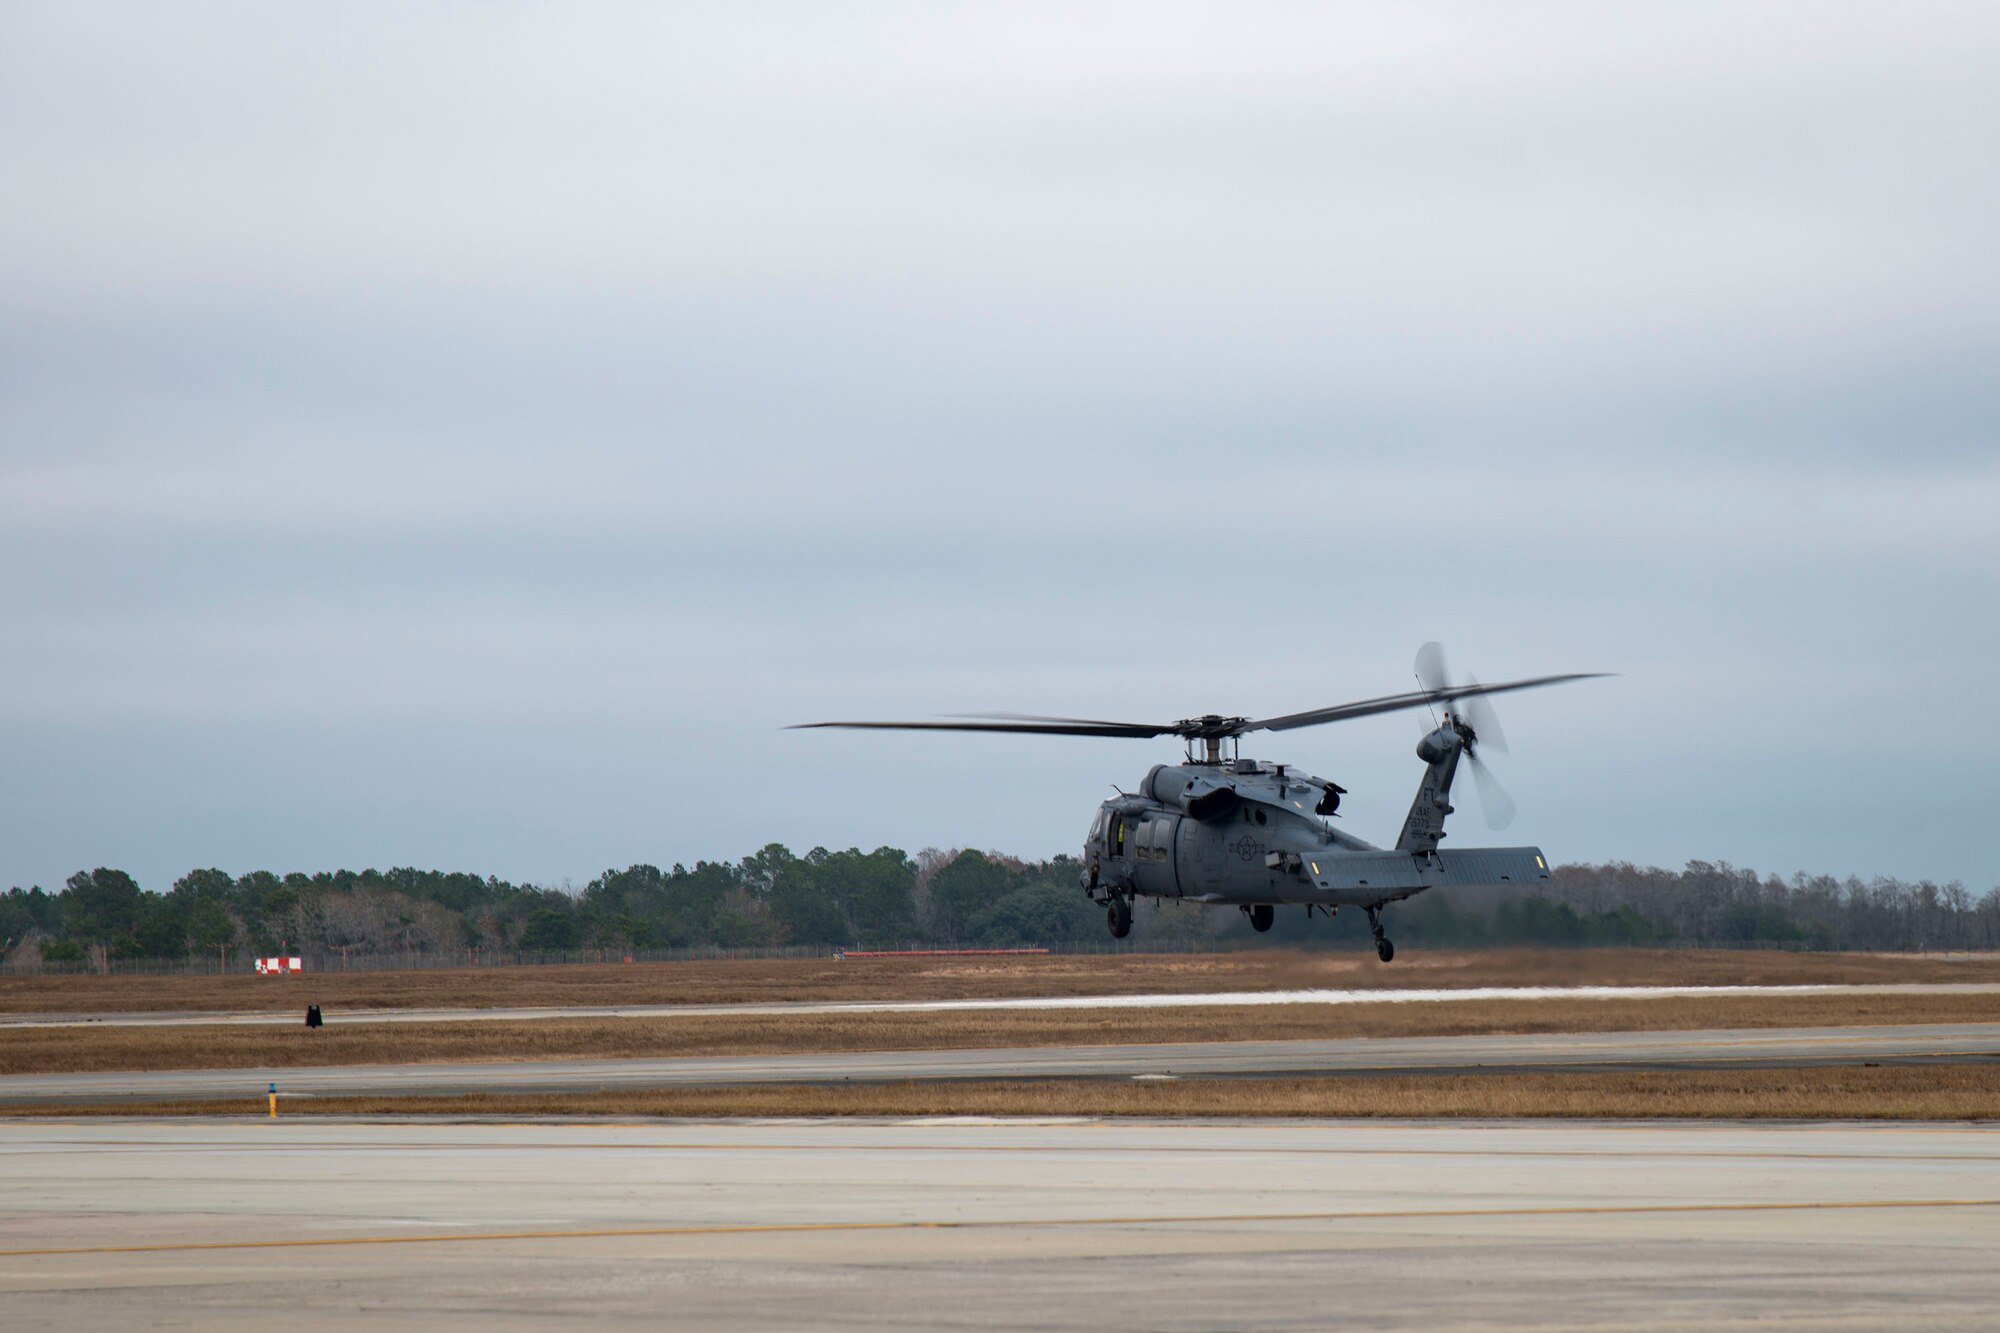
{"points": [[1424, 827]]}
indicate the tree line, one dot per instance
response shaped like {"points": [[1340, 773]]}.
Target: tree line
{"points": [[888, 899]]}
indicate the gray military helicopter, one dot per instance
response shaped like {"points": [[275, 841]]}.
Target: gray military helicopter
{"points": [[1219, 828]]}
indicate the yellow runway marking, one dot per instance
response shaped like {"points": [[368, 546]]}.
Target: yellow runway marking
{"points": [[1191, 1219]]}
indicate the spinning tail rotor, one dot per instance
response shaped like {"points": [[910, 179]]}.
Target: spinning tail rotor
{"points": [[1470, 713]]}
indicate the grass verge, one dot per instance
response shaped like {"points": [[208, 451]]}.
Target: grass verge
{"points": [[741, 981], [1919, 1092], [32, 1050]]}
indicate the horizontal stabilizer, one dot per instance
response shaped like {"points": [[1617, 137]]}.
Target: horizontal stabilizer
{"points": [[1475, 867], [1399, 874]]}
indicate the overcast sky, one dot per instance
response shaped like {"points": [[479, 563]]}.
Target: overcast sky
{"points": [[466, 436]]}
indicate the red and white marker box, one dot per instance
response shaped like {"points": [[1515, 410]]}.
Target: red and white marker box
{"points": [[272, 966]]}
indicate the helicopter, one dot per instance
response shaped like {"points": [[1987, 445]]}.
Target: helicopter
{"points": [[1224, 830]]}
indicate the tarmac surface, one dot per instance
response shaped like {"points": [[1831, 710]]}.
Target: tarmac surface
{"points": [[1194, 1000], [972, 1224], [1729, 1048]]}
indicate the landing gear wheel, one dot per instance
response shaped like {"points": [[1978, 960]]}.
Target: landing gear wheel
{"points": [[1383, 949], [1261, 917], [1118, 916]]}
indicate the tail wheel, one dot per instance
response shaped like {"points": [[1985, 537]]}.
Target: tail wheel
{"points": [[1261, 917]]}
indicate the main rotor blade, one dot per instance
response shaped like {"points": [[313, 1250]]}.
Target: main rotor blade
{"points": [[1060, 721], [1132, 730], [1390, 703]]}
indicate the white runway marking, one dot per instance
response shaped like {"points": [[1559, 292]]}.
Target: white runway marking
{"points": [[1194, 1000], [1222, 999]]}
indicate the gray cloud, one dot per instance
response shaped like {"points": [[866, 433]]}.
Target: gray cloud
{"points": [[468, 439]]}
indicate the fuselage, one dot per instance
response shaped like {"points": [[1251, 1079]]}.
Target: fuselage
{"points": [[1238, 831]]}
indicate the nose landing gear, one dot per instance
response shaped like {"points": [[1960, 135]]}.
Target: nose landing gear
{"points": [[1261, 915], [1118, 916], [1383, 948]]}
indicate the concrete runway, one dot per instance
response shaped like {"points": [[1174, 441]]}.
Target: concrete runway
{"points": [[1733, 1048], [1192, 1000], [969, 1224]]}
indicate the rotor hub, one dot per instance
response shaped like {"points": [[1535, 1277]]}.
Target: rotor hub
{"points": [[1212, 726]]}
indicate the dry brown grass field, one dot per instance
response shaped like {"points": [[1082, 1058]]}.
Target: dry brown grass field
{"points": [[745, 981], [1924, 1092], [47, 1050]]}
